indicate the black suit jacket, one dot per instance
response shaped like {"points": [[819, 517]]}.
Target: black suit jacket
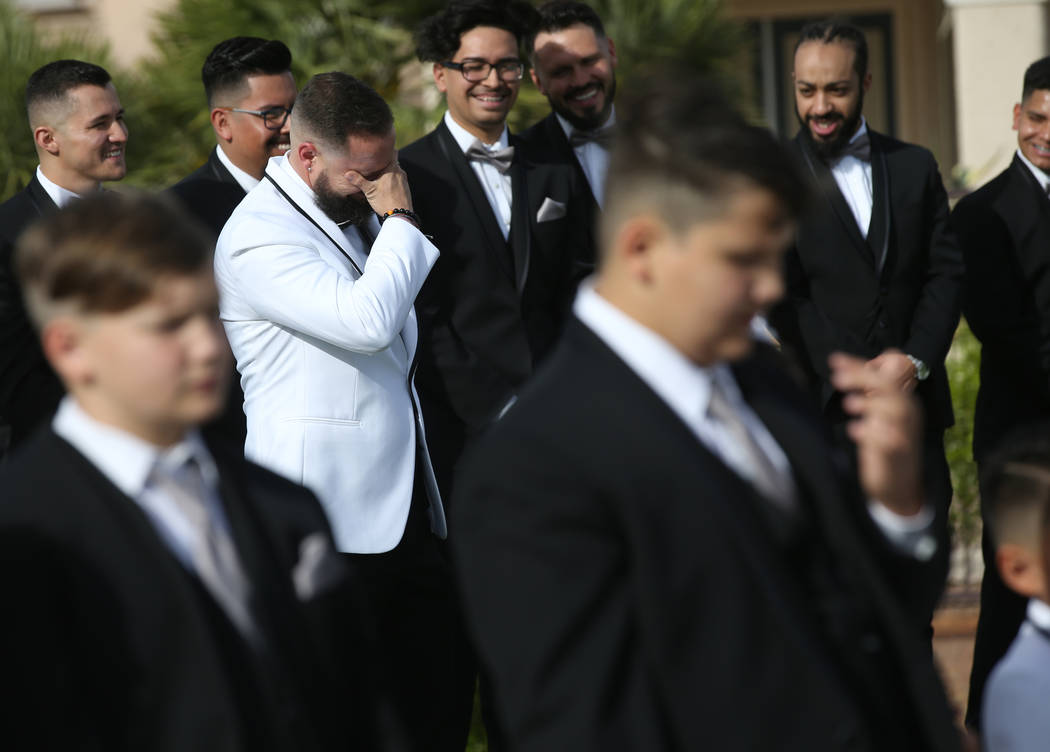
{"points": [[627, 590], [210, 193], [1004, 230], [108, 643], [545, 143], [29, 389], [491, 308], [837, 299]]}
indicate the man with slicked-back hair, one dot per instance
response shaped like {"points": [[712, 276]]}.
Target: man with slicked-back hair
{"points": [[78, 130], [1004, 231], [250, 90]]}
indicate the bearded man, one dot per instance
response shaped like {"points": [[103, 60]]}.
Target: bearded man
{"points": [[318, 269], [875, 270]]}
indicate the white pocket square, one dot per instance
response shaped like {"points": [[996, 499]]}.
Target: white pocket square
{"points": [[550, 209]]}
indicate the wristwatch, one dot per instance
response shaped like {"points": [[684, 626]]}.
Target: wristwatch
{"points": [[921, 369]]}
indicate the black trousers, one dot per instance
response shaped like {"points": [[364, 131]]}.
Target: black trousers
{"points": [[422, 647]]}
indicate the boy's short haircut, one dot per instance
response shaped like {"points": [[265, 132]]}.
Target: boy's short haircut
{"points": [[682, 148], [1016, 488], [106, 252]]}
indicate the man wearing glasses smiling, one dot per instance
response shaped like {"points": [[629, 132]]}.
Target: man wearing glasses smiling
{"points": [[495, 300], [250, 90]]}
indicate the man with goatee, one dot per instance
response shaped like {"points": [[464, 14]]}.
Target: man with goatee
{"points": [[318, 269], [875, 270]]}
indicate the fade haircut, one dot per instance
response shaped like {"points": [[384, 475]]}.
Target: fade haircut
{"points": [[227, 68], [1036, 78], [838, 30], [1016, 491], [333, 106], [438, 37], [557, 15], [683, 150], [103, 253], [50, 85]]}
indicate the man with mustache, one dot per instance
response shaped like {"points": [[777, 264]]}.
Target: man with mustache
{"points": [[574, 66], [80, 136], [875, 270], [250, 89], [318, 269], [504, 223]]}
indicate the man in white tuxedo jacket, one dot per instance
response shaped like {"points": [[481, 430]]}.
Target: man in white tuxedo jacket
{"points": [[317, 297]]}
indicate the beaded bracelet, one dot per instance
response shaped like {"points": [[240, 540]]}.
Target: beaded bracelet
{"points": [[406, 213]]}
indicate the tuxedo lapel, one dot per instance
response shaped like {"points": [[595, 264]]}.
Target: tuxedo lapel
{"points": [[39, 198], [219, 171], [881, 217], [470, 185], [829, 190], [520, 235]]}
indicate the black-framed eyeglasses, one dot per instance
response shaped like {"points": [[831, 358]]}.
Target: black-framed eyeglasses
{"points": [[273, 118], [478, 70]]}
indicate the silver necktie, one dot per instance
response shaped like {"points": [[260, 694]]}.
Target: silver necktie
{"points": [[765, 477], [214, 556]]}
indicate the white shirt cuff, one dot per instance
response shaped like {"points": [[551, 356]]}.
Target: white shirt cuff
{"points": [[911, 535]]}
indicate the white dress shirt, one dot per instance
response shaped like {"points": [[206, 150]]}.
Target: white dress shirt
{"points": [[127, 461], [854, 180], [593, 157], [497, 186], [1042, 177], [244, 180], [61, 196], [686, 388]]}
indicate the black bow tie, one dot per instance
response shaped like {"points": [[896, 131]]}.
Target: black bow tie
{"points": [[501, 159], [601, 136], [859, 147]]}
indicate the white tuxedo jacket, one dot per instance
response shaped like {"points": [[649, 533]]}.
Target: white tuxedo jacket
{"points": [[325, 355]]}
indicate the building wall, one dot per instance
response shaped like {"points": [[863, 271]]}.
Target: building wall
{"points": [[994, 42], [124, 24]]}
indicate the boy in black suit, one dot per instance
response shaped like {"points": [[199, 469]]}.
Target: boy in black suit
{"points": [[658, 540], [159, 593], [1004, 231]]}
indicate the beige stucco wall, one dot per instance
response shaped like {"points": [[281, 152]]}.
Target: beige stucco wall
{"points": [[124, 24], [994, 42]]}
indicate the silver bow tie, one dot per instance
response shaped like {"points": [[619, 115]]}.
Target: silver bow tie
{"points": [[601, 136], [499, 158]]}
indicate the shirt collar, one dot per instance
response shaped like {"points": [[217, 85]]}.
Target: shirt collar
{"points": [[244, 180], [683, 385], [568, 128], [464, 138], [124, 459], [61, 196], [1042, 177], [1038, 613]]}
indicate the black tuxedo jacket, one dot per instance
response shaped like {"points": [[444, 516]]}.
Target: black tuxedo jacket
{"points": [[210, 193], [627, 590], [1004, 231], [29, 389], [491, 308], [837, 299], [545, 143], [108, 643]]}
